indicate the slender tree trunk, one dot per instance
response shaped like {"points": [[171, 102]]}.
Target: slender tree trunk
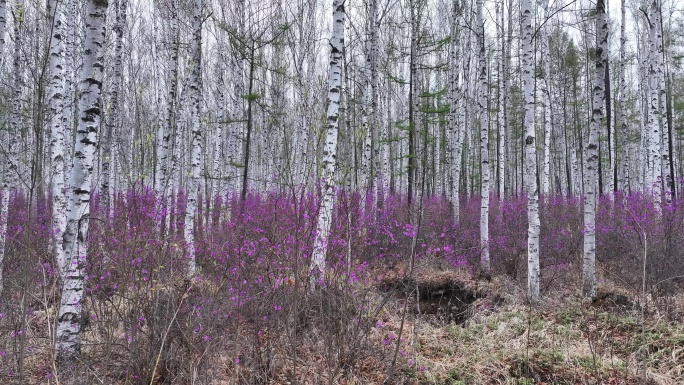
{"points": [[454, 130], [171, 128], [196, 134], [665, 181], [483, 90], [598, 103], [11, 171], [330, 148], [113, 113], [623, 105], [160, 171], [68, 341], [546, 98], [248, 137], [56, 98], [8, 167], [531, 186], [653, 179], [502, 103]]}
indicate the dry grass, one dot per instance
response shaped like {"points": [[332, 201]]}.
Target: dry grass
{"points": [[564, 340]]}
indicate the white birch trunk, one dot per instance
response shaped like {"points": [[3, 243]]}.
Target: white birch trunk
{"points": [[665, 181], [531, 188], [453, 134], [502, 102], [654, 151], [11, 171], [113, 113], [171, 128], [546, 99], [196, 134], [4, 198], [3, 27], [598, 105], [325, 212], [69, 101], [623, 104], [68, 332], [483, 90], [217, 174], [161, 149], [56, 87]]}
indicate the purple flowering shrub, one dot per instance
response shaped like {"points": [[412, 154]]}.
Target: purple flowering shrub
{"points": [[250, 306]]}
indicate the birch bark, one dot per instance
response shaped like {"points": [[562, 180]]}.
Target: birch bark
{"points": [[196, 135], [56, 87], [623, 104], [590, 174], [546, 98], [531, 188], [482, 95], [68, 341], [113, 113], [325, 212]]}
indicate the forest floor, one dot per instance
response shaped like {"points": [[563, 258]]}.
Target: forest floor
{"points": [[456, 330], [484, 332]]}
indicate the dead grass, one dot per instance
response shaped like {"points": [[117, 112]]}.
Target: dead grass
{"points": [[564, 340]]}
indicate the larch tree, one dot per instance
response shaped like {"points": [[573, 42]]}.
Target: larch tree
{"points": [[530, 174], [329, 162], [591, 158], [69, 322]]}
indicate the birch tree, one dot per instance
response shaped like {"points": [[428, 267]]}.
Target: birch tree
{"points": [[113, 112], [590, 174], [171, 126], [545, 97], [623, 103], [14, 139], [196, 134], [531, 188], [68, 341], [454, 128], [653, 173], [4, 198], [329, 162], [56, 88], [502, 103], [483, 90]]}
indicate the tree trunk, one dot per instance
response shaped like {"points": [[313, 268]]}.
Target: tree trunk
{"points": [[68, 340], [325, 211], [531, 187], [653, 180], [598, 103], [623, 105], [112, 113], [196, 134], [56, 97], [483, 91]]}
